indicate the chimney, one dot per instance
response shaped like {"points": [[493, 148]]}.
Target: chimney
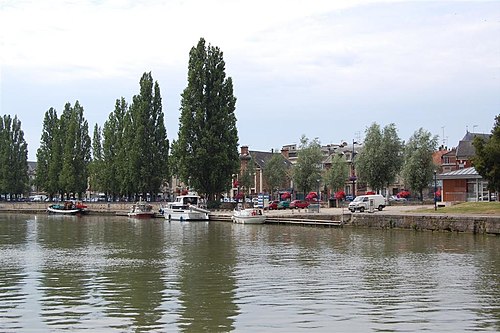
{"points": [[285, 152], [244, 150]]}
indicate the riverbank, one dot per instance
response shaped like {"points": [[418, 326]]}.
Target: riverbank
{"points": [[403, 217]]}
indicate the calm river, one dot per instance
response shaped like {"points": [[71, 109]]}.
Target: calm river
{"points": [[114, 274]]}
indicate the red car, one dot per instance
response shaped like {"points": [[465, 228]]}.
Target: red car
{"points": [[299, 204], [273, 205]]}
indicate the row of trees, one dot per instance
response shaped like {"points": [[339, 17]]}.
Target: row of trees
{"points": [[64, 153], [384, 157], [130, 153]]}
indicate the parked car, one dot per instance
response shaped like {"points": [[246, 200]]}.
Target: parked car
{"points": [[299, 204], [396, 198], [284, 204], [273, 205]]}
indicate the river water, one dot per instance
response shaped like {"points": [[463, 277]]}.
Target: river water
{"points": [[115, 274]]}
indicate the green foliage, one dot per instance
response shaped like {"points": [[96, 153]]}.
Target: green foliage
{"points": [[64, 154], [275, 172], [114, 151], [207, 148], [336, 176], [147, 153], [13, 157], [96, 165], [307, 171], [487, 159], [418, 168], [382, 156], [135, 146]]}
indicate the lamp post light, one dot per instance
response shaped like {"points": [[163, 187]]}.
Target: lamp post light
{"points": [[319, 193], [353, 171], [435, 190]]}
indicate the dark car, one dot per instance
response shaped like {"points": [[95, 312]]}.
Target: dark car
{"points": [[284, 204], [299, 204], [273, 205]]}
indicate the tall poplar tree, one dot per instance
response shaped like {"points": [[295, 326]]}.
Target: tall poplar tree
{"points": [[208, 138], [96, 166], [114, 151], [148, 154], [49, 154], [13, 157], [76, 151]]}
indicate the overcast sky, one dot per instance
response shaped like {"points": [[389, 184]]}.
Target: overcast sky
{"points": [[326, 69]]}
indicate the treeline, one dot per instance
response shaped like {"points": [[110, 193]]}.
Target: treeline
{"points": [[127, 157], [14, 179]]}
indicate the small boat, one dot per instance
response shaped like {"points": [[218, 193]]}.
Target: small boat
{"points": [[187, 207], [141, 210], [248, 216], [67, 208]]}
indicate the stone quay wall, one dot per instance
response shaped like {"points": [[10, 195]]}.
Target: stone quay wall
{"points": [[453, 223]]}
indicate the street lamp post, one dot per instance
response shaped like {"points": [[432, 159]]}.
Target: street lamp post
{"points": [[435, 190], [319, 193], [353, 171]]}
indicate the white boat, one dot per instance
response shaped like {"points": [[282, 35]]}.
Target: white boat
{"points": [[186, 208], [248, 216], [67, 208], [141, 210]]}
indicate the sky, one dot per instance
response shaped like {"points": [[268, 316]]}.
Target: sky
{"points": [[320, 68]]}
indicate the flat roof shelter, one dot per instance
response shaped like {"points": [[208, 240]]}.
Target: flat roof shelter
{"points": [[464, 185]]}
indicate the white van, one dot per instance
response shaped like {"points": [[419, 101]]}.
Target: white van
{"points": [[362, 202]]}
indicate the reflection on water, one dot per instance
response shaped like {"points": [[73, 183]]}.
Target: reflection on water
{"points": [[119, 274]]}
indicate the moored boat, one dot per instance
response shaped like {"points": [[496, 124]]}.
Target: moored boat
{"points": [[67, 208], [141, 210], [187, 207], [248, 216]]}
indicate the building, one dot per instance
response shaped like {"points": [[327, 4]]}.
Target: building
{"points": [[260, 160], [460, 180]]}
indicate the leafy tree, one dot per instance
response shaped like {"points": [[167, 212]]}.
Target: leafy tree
{"points": [[418, 168], [487, 158], [76, 150], [381, 158], [13, 157], [275, 172], [148, 153], [307, 170], [49, 154], [392, 149], [19, 161], [370, 161], [96, 166], [114, 151], [336, 176], [207, 146]]}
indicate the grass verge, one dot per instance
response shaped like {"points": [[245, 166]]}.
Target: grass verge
{"points": [[486, 208]]}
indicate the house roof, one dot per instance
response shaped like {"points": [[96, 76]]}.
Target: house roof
{"points": [[465, 149], [466, 173], [262, 157]]}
